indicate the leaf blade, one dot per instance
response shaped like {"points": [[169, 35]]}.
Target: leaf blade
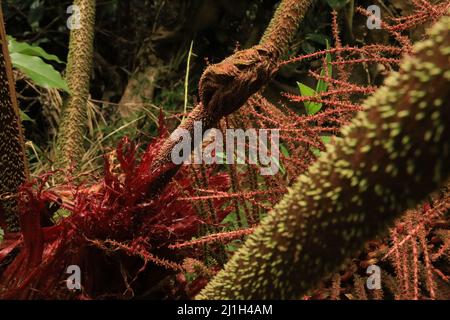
{"points": [[306, 91], [15, 46], [41, 73]]}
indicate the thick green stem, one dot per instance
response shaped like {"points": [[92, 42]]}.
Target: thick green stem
{"points": [[13, 162], [389, 158], [69, 145]]}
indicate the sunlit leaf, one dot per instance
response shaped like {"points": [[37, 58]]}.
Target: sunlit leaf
{"points": [[15, 46], [41, 73], [306, 91]]}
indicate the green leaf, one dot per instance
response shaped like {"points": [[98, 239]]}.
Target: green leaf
{"points": [[322, 86], [24, 116], [15, 46], [284, 150], [41, 73], [2, 234], [306, 91]]}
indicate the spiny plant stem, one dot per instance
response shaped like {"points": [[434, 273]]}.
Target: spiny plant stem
{"points": [[69, 145], [283, 25], [391, 156], [13, 162], [226, 86]]}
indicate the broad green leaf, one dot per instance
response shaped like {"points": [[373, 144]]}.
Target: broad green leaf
{"points": [[30, 50], [2, 234], [306, 91], [314, 108], [41, 73]]}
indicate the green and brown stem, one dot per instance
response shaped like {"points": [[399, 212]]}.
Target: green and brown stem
{"points": [[13, 162], [69, 145], [391, 156]]}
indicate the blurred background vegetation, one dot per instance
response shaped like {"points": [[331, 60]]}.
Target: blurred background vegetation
{"points": [[141, 54]]}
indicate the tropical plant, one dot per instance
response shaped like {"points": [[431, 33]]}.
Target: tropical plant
{"points": [[211, 231]]}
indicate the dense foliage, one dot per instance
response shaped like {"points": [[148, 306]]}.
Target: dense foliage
{"points": [[362, 120]]}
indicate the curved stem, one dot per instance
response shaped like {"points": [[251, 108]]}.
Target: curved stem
{"points": [[226, 86], [388, 160]]}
